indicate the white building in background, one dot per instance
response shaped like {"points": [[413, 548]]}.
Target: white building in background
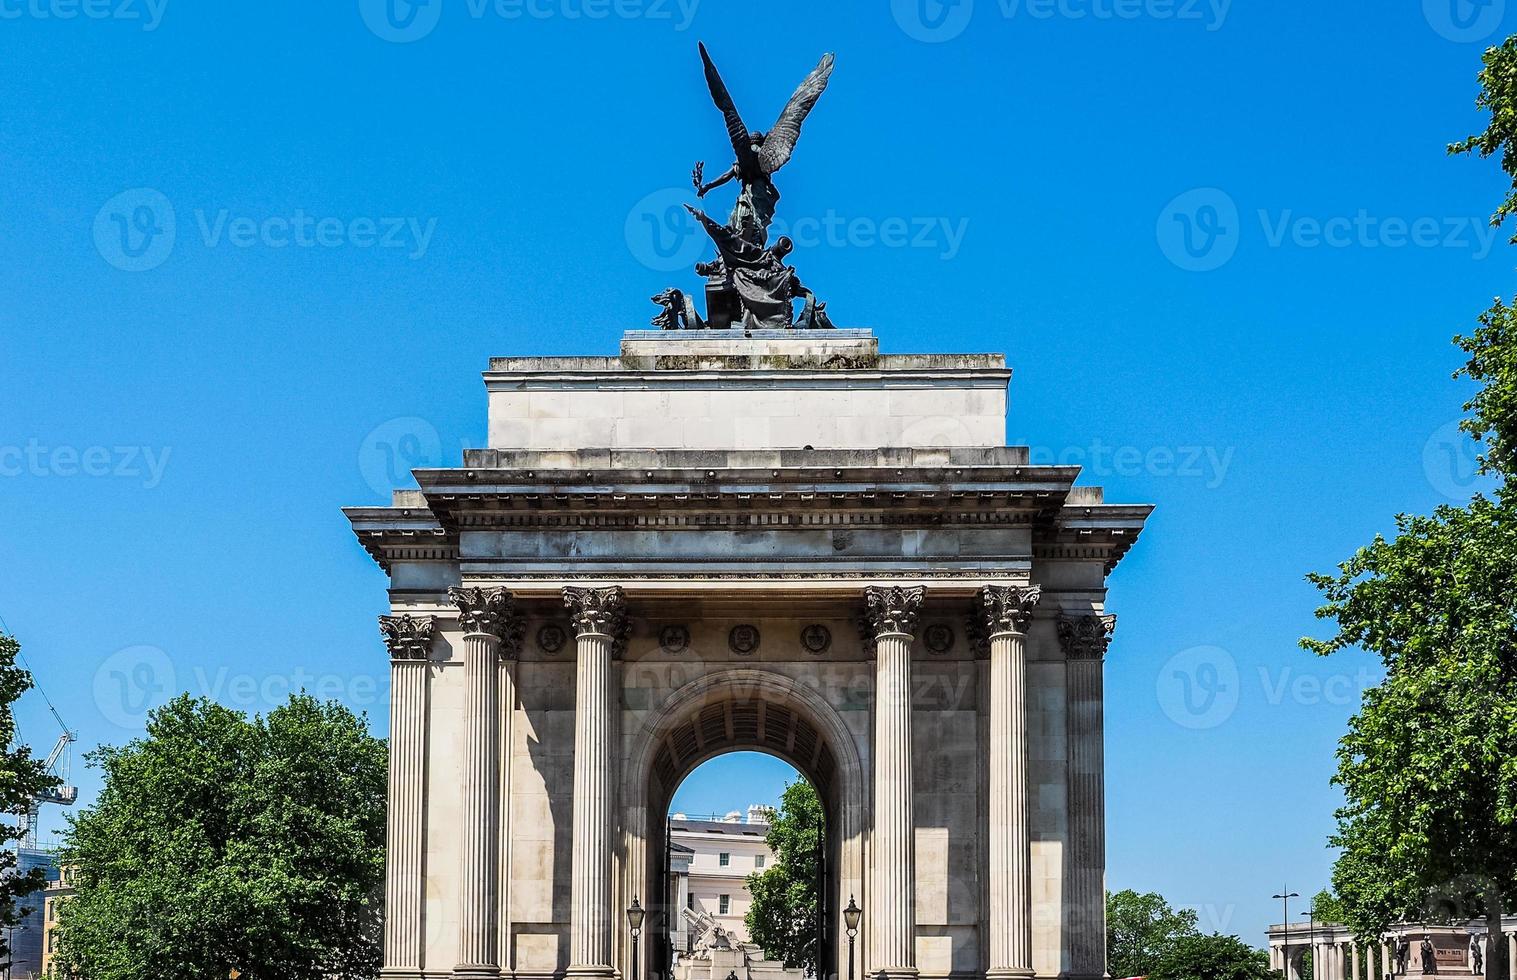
{"points": [[712, 858]]}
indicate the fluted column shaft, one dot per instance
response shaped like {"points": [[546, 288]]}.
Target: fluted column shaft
{"points": [[600, 624], [480, 826], [409, 641], [491, 626], [1002, 618], [1084, 640], [1010, 840], [890, 622], [1511, 956]]}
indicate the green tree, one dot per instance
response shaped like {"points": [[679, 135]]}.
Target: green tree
{"points": [[1141, 930], [1498, 96], [1326, 907], [783, 916], [1429, 764], [1214, 957], [21, 778], [225, 843]]}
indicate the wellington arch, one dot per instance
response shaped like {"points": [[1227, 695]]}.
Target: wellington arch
{"points": [[780, 541]]}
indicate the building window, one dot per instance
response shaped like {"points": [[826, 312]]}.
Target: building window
{"points": [[758, 862], [723, 904], [690, 901], [724, 859]]}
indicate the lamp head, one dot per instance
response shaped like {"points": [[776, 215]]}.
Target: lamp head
{"points": [[852, 914], [635, 915]]}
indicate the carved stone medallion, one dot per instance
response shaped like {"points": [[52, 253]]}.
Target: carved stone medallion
{"points": [[817, 639], [938, 638], [743, 640], [551, 638], [674, 639]]}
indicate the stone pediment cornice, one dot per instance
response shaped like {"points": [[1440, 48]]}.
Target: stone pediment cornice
{"points": [[744, 490]]}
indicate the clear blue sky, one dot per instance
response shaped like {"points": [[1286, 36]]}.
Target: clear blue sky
{"points": [[1222, 237]]}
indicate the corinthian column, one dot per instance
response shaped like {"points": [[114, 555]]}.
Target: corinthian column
{"points": [[600, 621], [890, 621], [490, 623], [410, 643], [1085, 640], [1002, 616]]}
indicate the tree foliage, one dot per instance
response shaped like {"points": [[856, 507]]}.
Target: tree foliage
{"points": [[1492, 349], [1429, 764], [783, 916], [1498, 96], [1141, 930], [1214, 957], [224, 843], [21, 778]]}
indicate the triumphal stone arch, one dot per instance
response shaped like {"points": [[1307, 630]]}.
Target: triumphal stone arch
{"points": [[771, 540]]}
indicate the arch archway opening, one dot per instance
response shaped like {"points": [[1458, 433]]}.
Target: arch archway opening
{"points": [[740, 753]]}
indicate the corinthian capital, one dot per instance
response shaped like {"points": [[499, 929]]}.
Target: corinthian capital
{"points": [[1086, 637], [891, 610], [600, 611], [489, 611], [1003, 609], [407, 637]]}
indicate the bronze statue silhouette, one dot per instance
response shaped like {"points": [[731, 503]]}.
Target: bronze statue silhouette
{"points": [[759, 155]]}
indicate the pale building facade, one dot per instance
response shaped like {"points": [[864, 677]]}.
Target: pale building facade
{"points": [[779, 542], [717, 856], [1338, 954]]}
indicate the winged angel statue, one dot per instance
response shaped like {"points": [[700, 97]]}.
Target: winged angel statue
{"points": [[750, 282]]}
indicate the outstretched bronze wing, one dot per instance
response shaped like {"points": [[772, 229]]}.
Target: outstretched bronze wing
{"points": [[780, 143], [742, 143]]}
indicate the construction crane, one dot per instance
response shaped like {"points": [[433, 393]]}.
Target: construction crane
{"points": [[62, 794]]}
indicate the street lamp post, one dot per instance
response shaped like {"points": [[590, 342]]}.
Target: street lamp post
{"points": [[851, 916], [1311, 935], [1285, 954], [635, 915]]}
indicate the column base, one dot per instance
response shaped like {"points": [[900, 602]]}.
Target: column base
{"points": [[584, 972], [401, 973], [893, 973], [1009, 973], [476, 971]]}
